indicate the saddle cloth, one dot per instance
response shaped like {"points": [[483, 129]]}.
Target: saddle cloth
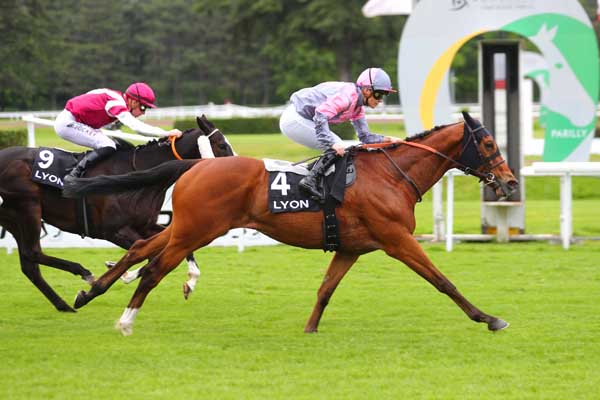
{"points": [[286, 196], [51, 165]]}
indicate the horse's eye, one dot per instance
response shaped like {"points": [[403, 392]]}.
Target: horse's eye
{"points": [[222, 146], [489, 146]]}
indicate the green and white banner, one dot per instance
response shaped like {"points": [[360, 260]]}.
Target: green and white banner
{"points": [[561, 31]]}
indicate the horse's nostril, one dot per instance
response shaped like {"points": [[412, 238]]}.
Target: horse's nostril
{"points": [[513, 183]]}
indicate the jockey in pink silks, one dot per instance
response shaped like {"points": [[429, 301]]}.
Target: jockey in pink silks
{"points": [[306, 120], [84, 115]]}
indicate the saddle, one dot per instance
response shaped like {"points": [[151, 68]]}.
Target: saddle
{"points": [[285, 195], [51, 165]]}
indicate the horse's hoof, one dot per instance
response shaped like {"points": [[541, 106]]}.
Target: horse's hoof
{"points": [[187, 290], [307, 330], [109, 264], [497, 325], [65, 308], [89, 279], [125, 329], [80, 299]]}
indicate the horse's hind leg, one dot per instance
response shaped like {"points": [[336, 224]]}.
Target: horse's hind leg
{"points": [[65, 265], [193, 275], [127, 236], [411, 253], [140, 251], [157, 269], [340, 264]]}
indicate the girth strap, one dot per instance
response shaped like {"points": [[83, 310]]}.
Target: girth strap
{"points": [[331, 232]]}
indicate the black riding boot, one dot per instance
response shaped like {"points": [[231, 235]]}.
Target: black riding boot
{"points": [[310, 182], [89, 160]]}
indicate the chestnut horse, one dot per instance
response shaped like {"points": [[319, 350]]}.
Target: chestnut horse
{"points": [[119, 219], [377, 212]]}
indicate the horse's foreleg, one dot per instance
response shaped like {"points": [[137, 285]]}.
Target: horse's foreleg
{"points": [[141, 250], [408, 250], [157, 269], [27, 235], [32, 271], [340, 264]]}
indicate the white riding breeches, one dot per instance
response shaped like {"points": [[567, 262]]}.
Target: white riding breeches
{"points": [[69, 129], [300, 129]]}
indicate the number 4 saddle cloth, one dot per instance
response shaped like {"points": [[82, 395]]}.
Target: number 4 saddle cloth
{"points": [[286, 196]]}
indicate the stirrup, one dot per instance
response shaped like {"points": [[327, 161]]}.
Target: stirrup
{"points": [[311, 190]]}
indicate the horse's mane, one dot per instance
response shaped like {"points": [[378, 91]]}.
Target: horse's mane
{"points": [[124, 145], [421, 135]]}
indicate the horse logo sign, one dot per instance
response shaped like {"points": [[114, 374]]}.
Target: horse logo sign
{"points": [[561, 31]]}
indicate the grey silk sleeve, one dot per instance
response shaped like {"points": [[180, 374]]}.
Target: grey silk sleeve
{"points": [[324, 135], [364, 135]]}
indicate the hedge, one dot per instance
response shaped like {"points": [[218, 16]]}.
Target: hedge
{"points": [[257, 126], [17, 137]]}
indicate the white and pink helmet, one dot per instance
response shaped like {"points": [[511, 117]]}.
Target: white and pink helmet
{"points": [[376, 79], [141, 92]]}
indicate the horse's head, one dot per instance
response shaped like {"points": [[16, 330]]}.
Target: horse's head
{"points": [[218, 142], [480, 154], [206, 141]]}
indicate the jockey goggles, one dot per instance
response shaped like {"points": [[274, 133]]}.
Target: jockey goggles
{"points": [[377, 94], [380, 94]]}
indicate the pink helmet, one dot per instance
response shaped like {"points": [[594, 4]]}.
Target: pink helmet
{"points": [[375, 78], [141, 92]]}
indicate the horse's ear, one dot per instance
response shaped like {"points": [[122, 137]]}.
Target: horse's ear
{"points": [[468, 119], [201, 123], [209, 125]]}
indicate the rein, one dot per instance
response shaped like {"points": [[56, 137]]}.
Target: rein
{"points": [[172, 139], [488, 178]]}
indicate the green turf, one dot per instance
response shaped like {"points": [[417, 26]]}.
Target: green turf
{"points": [[387, 334]]}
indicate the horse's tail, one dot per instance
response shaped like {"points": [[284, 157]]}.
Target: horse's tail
{"points": [[161, 176]]}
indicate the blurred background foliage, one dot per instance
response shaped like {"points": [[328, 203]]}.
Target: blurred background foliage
{"points": [[198, 51]]}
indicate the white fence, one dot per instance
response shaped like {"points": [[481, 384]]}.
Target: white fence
{"points": [[564, 170], [246, 237], [530, 145], [53, 237]]}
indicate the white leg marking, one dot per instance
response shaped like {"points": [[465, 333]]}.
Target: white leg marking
{"points": [[125, 323], [193, 275], [1, 200], [130, 276]]}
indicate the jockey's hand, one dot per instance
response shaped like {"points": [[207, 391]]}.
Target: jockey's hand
{"points": [[175, 132], [391, 139], [339, 149]]}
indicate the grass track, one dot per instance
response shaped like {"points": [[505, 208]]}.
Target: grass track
{"points": [[386, 334]]}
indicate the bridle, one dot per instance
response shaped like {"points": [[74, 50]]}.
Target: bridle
{"points": [[172, 140], [465, 162]]}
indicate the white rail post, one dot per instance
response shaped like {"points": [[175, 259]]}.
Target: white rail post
{"points": [[449, 211], [566, 226], [30, 134], [438, 212]]}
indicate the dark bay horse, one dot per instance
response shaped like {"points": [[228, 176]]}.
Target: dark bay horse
{"points": [[377, 212], [117, 218]]}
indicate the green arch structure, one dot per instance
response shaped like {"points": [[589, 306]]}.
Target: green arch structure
{"points": [[560, 29]]}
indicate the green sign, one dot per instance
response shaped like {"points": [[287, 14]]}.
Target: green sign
{"points": [[561, 31]]}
